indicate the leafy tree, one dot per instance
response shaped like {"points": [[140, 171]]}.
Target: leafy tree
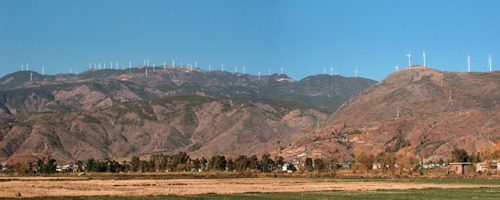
{"points": [[266, 162], [230, 165], [459, 155], [308, 164], [320, 165], [135, 163]]}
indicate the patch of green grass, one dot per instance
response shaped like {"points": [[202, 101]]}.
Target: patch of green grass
{"points": [[431, 193]]}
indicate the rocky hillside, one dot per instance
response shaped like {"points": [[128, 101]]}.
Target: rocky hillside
{"points": [[196, 124], [104, 88], [438, 112]]}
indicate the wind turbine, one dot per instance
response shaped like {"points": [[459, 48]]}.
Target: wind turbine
{"points": [[243, 69], [116, 66], [269, 71], [153, 67], [209, 67], [22, 67], [95, 65], [144, 62], [27, 67], [397, 67], [489, 61], [235, 69], [356, 71], [164, 65], [222, 67], [468, 61], [324, 70], [110, 65], [129, 64], [90, 65], [281, 70], [104, 67], [259, 74], [123, 67], [409, 55], [43, 71], [148, 62], [424, 58], [69, 70], [173, 64], [331, 71]]}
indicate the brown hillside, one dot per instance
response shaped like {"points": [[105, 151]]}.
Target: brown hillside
{"points": [[434, 124]]}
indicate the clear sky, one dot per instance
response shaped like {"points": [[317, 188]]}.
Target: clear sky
{"points": [[302, 36]]}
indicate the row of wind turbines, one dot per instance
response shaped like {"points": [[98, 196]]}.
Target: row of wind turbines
{"points": [[468, 61]]}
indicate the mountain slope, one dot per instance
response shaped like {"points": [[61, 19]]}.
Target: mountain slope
{"points": [[433, 124], [196, 124], [104, 88]]}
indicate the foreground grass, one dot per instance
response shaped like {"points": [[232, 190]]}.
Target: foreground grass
{"points": [[481, 193]]}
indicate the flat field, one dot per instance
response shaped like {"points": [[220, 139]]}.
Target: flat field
{"points": [[191, 186]]}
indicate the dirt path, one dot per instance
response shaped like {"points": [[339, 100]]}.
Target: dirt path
{"points": [[68, 187]]}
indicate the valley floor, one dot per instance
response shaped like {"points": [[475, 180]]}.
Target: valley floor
{"points": [[141, 187]]}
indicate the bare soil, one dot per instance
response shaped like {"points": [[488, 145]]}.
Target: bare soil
{"points": [[83, 186]]}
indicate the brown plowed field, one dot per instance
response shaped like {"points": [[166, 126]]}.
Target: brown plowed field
{"points": [[76, 186]]}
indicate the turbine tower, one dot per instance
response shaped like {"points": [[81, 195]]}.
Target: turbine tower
{"points": [[173, 64], [222, 67], [43, 71], [90, 65], [235, 69], [397, 67], [269, 71], [243, 69], [424, 58], [468, 61], [116, 66], [281, 70], [259, 74], [331, 71], [324, 70], [95, 65], [104, 67], [27, 67], [356, 71], [489, 61], [153, 67], [194, 64], [164, 65], [409, 55], [129, 64], [22, 67], [209, 67], [70, 70]]}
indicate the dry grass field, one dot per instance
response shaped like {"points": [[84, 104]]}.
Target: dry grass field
{"points": [[193, 184]]}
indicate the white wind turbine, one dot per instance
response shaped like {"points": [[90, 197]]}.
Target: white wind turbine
{"points": [[43, 70], [397, 67], [356, 71], [144, 62], [123, 67], [164, 65], [269, 71], [129, 64], [409, 55], [69, 70], [424, 58], [27, 67], [153, 67], [173, 63], [22, 67], [95, 65], [209, 67], [489, 62], [110, 65], [222, 67], [281, 70], [147, 62], [331, 71], [324, 70], [104, 67], [468, 61], [90, 65], [259, 74], [236, 69], [116, 66], [243, 69]]}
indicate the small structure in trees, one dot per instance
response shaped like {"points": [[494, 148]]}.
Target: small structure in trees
{"points": [[460, 167]]}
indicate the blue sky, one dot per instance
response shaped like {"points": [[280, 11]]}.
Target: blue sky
{"points": [[302, 36]]}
